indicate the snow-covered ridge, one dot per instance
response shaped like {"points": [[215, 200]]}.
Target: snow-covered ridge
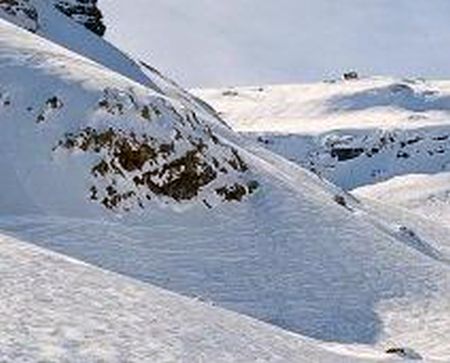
{"points": [[134, 144], [350, 132], [44, 18], [26, 13]]}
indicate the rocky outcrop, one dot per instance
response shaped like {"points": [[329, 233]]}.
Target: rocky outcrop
{"points": [[178, 159], [25, 13], [20, 12], [84, 12]]}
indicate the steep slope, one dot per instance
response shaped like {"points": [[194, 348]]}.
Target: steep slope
{"points": [[43, 18], [135, 144], [27, 13], [103, 169], [240, 42], [83, 314], [64, 22], [352, 133]]}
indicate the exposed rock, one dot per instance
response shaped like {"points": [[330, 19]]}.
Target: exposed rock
{"points": [[405, 353], [237, 191], [344, 154], [25, 14], [84, 12], [230, 93], [20, 12], [348, 76], [51, 105], [134, 167]]}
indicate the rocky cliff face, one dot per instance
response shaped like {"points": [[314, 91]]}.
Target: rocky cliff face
{"points": [[84, 12], [20, 12], [26, 13]]}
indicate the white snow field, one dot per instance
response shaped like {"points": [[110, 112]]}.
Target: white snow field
{"points": [[55, 309], [353, 133], [151, 185], [205, 43], [427, 195]]}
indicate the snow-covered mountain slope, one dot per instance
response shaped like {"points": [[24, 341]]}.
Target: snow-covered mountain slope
{"points": [[55, 309], [135, 144], [158, 191], [427, 195], [28, 13], [239, 42], [48, 19], [43, 18], [350, 132]]}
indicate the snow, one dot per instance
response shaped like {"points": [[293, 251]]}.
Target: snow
{"points": [[352, 133], [425, 195], [56, 309], [298, 253], [55, 26], [306, 122], [315, 108], [211, 44]]}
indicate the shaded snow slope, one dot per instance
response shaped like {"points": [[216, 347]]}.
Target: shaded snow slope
{"points": [[211, 44], [28, 13], [42, 17], [166, 194], [350, 132], [48, 19], [55, 309]]}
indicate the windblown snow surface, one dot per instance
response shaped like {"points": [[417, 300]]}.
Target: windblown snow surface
{"points": [[54, 309], [120, 175]]}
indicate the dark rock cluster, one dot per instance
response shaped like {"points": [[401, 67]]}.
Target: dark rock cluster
{"points": [[131, 168], [84, 12], [21, 11]]}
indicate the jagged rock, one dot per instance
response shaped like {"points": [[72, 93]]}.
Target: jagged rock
{"points": [[26, 13], [84, 12], [21, 12]]}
